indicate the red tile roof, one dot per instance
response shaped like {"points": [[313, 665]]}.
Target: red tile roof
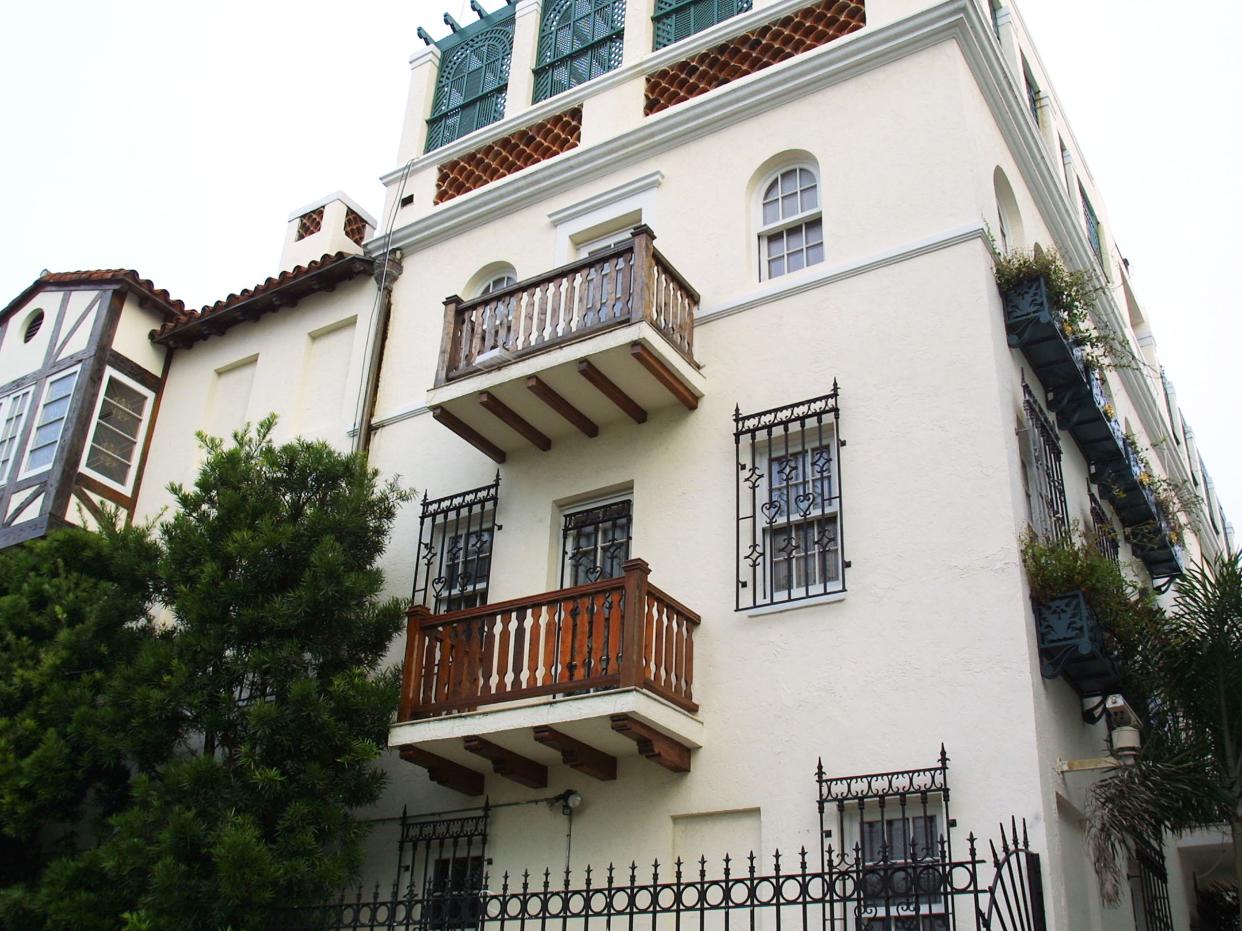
{"points": [[284, 290], [148, 293]]}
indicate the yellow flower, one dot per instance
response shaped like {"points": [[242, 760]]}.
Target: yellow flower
{"points": [[1068, 328], [1144, 479], [1110, 412]]}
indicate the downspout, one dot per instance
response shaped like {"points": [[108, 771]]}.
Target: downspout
{"points": [[386, 270]]}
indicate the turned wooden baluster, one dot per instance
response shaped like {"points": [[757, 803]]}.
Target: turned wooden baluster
{"points": [[642, 275]]}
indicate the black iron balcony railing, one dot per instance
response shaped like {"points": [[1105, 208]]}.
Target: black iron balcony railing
{"points": [[1076, 395]]}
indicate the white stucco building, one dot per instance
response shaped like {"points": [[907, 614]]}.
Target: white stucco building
{"points": [[682, 322]]}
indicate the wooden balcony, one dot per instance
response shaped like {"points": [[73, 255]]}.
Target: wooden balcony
{"points": [[606, 338], [578, 676]]}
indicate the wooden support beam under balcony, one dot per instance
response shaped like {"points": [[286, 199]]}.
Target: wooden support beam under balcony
{"points": [[444, 772], [608, 388], [653, 744], [468, 433], [536, 386], [577, 755], [541, 681], [513, 361], [506, 415], [507, 763]]}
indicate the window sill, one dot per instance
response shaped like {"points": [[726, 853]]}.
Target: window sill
{"points": [[783, 606]]}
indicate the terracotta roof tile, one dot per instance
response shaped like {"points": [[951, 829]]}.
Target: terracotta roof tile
{"points": [[172, 309], [285, 289]]}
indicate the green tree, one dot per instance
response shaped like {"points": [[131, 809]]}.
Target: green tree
{"points": [[1188, 663], [73, 624], [193, 773], [269, 568]]}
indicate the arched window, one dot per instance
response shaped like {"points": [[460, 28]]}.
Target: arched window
{"points": [[471, 87], [498, 283], [1009, 220], [676, 19], [791, 228], [578, 40]]}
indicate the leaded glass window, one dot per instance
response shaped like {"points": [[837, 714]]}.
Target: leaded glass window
{"points": [[117, 431], [578, 40], [676, 19], [791, 233], [472, 85]]}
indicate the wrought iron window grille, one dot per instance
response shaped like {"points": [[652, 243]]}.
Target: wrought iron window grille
{"points": [[453, 561], [790, 533], [473, 82], [595, 542], [1102, 531], [675, 20], [579, 40], [1042, 456], [1149, 887], [1093, 225]]}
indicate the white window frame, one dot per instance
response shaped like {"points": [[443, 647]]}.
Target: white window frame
{"points": [[22, 396], [139, 442], [27, 471], [785, 223], [602, 243], [804, 446]]}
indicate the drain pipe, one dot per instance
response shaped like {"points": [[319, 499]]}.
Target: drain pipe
{"points": [[386, 270]]}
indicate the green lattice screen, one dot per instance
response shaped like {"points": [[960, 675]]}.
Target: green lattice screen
{"points": [[473, 79], [676, 19], [578, 40]]}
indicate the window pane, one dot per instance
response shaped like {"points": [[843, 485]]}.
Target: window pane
{"points": [[814, 254], [789, 205], [771, 212], [776, 244], [795, 261], [793, 239], [776, 267], [814, 231], [809, 199]]}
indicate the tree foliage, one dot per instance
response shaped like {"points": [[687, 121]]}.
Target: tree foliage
{"points": [[1189, 773], [249, 721]]}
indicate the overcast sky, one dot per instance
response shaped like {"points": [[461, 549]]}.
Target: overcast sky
{"points": [[176, 139]]}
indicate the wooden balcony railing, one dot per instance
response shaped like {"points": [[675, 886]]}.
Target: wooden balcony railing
{"points": [[614, 633], [629, 282]]}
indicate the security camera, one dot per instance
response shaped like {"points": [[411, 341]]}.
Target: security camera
{"points": [[1120, 714]]}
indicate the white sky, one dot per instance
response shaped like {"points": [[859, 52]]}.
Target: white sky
{"points": [[176, 139]]}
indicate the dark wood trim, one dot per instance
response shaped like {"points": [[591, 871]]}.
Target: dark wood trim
{"points": [[548, 396], [27, 530], [654, 745], [444, 772], [141, 466], [469, 434], [39, 374], [25, 503], [58, 324], [91, 507], [512, 419], [514, 766], [664, 375], [578, 756], [64, 337], [82, 409], [90, 483], [609, 390], [131, 369]]}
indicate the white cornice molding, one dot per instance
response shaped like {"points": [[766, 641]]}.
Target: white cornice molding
{"points": [[836, 62], [642, 183]]}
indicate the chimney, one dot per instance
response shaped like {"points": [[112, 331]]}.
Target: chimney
{"points": [[332, 224]]}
